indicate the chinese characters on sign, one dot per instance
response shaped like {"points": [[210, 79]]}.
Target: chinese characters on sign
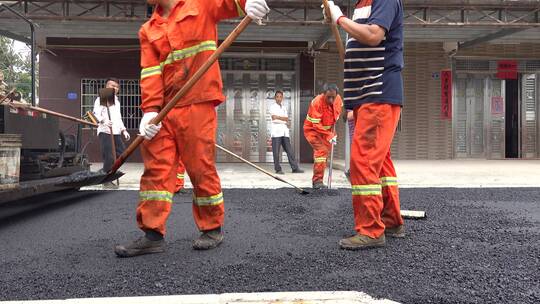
{"points": [[497, 105], [507, 69], [446, 94]]}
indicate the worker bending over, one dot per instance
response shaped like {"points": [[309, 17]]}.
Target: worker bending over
{"points": [[319, 129]]}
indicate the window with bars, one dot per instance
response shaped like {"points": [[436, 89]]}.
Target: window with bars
{"points": [[129, 97]]}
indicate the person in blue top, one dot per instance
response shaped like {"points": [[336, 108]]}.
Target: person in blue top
{"points": [[373, 89]]}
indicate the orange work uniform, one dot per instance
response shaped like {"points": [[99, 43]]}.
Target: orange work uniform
{"points": [[318, 130], [373, 176], [172, 50]]}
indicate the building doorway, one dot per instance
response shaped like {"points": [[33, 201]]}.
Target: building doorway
{"points": [[512, 118]]}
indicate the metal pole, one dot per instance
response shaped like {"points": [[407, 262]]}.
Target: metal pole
{"points": [[33, 63]]}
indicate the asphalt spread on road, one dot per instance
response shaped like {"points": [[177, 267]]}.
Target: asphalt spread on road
{"points": [[475, 246]]}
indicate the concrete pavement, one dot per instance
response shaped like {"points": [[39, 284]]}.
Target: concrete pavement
{"points": [[306, 297], [411, 174]]}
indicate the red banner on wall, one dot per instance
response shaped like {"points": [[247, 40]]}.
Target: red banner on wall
{"points": [[446, 94], [507, 69]]}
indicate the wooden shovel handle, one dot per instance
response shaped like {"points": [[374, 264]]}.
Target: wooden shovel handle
{"points": [[335, 31]]}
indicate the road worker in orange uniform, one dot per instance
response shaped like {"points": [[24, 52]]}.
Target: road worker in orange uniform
{"points": [[319, 129], [178, 39], [373, 90]]}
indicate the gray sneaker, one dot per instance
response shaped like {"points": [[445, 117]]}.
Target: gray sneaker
{"points": [[110, 185], [395, 232], [139, 247], [319, 185], [209, 239], [360, 241]]}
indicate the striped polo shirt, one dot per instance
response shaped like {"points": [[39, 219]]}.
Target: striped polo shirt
{"points": [[373, 74]]}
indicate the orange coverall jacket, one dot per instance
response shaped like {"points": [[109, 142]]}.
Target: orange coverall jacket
{"points": [[321, 117], [173, 49]]}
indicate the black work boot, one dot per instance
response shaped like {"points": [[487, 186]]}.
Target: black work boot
{"points": [[209, 239], [361, 241], [297, 171], [319, 185], [152, 242], [395, 232]]}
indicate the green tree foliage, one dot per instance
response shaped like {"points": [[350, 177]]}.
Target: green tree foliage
{"points": [[16, 67]]}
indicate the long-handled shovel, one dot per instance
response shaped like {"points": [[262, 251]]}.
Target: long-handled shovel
{"points": [[97, 177], [331, 165], [27, 107], [302, 191], [341, 51], [106, 97]]}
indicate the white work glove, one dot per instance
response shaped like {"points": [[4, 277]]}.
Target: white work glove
{"points": [[106, 122], [147, 130], [335, 11], [333, 141], [126, 135], [257, 9]]}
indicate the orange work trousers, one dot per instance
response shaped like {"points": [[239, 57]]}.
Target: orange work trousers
{"points": [[374, 184], [321, 149], [180, 173], [187, 135]]}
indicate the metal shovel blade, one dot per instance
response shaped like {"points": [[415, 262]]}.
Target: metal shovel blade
{"points": [[87, 178]]}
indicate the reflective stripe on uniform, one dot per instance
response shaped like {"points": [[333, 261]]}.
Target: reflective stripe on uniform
{"points": [[320, 159], [327, 127], [213, 200], [151, 71], [389, 181], [180, 176], [162, 196], [239, 9], [374, 189], [209, 45], [313, 120]]}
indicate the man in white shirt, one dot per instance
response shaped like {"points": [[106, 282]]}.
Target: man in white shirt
{"points": [[280, 134], [106, 123]]}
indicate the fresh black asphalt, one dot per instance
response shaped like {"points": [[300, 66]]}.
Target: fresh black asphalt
{"points": [[475, 246]]}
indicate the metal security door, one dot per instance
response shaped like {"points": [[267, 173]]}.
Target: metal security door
{"points": [[495, 105], [244, 121], [469, 122], [529, 110]]}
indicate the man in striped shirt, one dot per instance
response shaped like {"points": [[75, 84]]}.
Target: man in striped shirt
{"points": [[373, 89]]}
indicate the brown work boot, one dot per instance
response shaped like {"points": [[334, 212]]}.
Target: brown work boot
{"points": [[209, 239], [360, 241], [395, 232], [141, 246]]}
